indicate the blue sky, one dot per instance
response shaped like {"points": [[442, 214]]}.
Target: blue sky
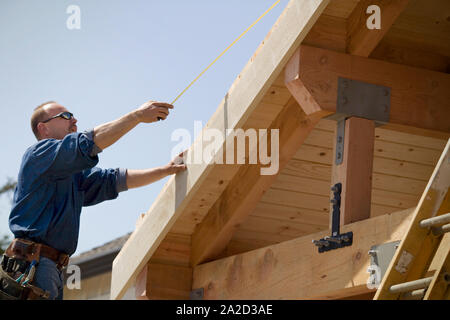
{"points": [[126, 52]]}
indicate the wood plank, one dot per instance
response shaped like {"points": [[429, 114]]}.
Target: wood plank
{"points": [[308, 169], [314, 154], [297, 199], [355, 171], [362, 40], [296, 215], [239, 103], [391, 197], [383, 134], [280, 227], [424, 25], [243, 193], [419, 98], [402, 168], [341, 8], [328, 33], [390, 147], [280, 272], [395, 51]]}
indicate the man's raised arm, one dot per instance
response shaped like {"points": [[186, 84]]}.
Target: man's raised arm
{"points": [[108, 133]]}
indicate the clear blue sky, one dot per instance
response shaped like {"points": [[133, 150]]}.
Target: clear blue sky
{"points": [[126, 52]]}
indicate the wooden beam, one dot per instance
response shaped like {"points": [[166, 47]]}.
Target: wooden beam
{"points": [[362, 40], [164, 282], [248, 186], [419, 98], [295, 270], [355, 171], [239, 103]]}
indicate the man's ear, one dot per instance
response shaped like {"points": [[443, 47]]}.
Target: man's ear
{"points": [[42, 130]]}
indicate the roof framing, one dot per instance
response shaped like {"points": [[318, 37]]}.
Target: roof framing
{"points": [[237, 106], [219, 197]]}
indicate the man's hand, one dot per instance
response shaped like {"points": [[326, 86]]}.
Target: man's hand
{"points": [[153, 111], [176, 165]]}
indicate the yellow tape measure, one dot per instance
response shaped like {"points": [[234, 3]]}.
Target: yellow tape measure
{"points": [[234, 42]]}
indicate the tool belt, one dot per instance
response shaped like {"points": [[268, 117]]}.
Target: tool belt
{"points": [[27, 250], [20, 257], [10, 289]]}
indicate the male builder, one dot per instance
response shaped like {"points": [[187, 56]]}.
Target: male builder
{"points": [[58, 176]]}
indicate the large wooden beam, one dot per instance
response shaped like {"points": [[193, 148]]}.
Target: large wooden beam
{"points": [[362, 40], [355, 171], [239, 103], [419, 98], [295, 270], [248, 186]]}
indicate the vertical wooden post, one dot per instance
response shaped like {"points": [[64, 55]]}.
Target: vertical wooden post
{"points": [[355, 171]]}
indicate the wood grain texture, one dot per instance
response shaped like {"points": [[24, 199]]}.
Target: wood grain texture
{"points": [[295, 270], [355, 171], [419, 97], [362, 40]]}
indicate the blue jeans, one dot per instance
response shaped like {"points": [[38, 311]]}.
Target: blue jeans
{"points": [[49, 278]]}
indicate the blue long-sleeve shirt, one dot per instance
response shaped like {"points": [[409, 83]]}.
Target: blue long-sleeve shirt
{"points": [[56, 179]]}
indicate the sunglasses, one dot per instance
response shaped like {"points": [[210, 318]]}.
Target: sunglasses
{"points": [[65, 115]]}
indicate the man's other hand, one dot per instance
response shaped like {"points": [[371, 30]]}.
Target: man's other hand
{"points": [[153, 111], [177, 164]]}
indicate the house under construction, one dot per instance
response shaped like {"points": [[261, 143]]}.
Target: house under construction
{"points": [[360, 206]]}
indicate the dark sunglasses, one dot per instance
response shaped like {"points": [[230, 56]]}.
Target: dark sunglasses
{"points": [[65, 115]]}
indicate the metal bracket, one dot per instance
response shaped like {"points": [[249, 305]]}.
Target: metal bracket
{"points": [[336, 240], [359, 99], [380, 258], [197, 294], [340, 136]]}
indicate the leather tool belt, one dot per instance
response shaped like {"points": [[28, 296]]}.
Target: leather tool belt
{"points": [[27, 250]]}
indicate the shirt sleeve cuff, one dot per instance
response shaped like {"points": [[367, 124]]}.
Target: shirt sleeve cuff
{"points": [[121, 180], [95, 149]]}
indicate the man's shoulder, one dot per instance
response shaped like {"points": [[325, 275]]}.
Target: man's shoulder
{"points": [[39, 147]]}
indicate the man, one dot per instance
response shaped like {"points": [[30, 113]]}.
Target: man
{"points": [[58, 176]]}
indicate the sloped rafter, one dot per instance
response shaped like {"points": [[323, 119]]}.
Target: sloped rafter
{"points": [[361, 40], [419, 98], [236, 108], [248, 186]]}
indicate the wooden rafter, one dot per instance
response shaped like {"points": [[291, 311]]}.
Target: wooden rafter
{"points": [[361, 40]]}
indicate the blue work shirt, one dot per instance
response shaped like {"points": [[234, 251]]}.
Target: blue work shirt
{"points": [[56, 179]]}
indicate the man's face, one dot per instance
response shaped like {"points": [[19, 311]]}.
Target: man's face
{"points": [[57, 128]]}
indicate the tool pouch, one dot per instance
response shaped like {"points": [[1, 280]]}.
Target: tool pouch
{"points": [[11, 290]]}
